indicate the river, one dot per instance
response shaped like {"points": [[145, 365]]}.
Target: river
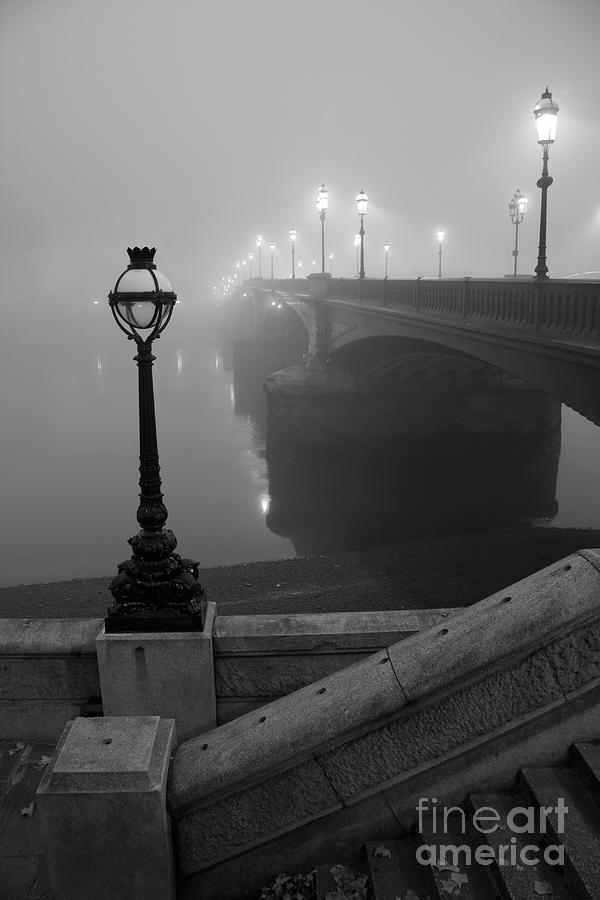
{"points": [[69, 445]]}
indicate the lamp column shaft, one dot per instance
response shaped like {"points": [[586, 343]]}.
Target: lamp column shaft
{"points": [[516, 250], [293, 262], [152, 513], [440, 261], [357, 261], [323, 242], [541, 270], [259, 264], [386, 260], [271, 265], [361, 274]]}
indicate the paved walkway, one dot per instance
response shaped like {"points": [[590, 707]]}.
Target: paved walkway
{"points": [[23, 874]]}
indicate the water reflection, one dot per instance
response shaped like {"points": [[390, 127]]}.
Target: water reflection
{"points": [[349, 504]]}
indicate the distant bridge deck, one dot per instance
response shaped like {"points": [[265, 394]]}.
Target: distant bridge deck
{"points": [[546, 332]]}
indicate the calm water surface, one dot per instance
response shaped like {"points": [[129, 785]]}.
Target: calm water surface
{"points": [[69, 451]]}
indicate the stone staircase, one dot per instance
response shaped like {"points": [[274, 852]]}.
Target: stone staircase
{"points": [[530, 853]]}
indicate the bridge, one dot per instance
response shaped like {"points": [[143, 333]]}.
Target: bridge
{"points": [[546, 333]]}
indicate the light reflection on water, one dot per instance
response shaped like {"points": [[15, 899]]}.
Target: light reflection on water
{"points": [[69, 449]]}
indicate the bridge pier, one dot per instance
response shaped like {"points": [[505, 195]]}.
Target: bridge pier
{"points": [[320, 410]]}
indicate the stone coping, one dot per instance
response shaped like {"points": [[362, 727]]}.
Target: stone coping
{"points": [[64, 636], [494, 634]]}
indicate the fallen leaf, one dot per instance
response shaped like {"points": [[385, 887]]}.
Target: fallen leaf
{"points": [[28, 810], [45, 760], [540, 887], [19, 746]]}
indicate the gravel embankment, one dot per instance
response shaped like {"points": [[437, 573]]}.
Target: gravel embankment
{"points": [[452, 571]]}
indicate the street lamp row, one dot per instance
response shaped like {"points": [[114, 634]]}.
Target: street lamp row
{"points": [[545, 114]]}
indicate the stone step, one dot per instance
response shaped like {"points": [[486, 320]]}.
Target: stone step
{"points": [[585, 758], [581, 823], [515, 877], [394, 871], [455, 873]]}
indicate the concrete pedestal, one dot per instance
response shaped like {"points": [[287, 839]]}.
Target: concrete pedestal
{"points": [[102, 806], [161, 674]]}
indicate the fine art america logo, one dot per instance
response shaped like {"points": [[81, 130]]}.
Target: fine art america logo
{"points": [[437, 821]]}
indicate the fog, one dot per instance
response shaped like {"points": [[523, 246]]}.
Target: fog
{"points": [[192, 126]]}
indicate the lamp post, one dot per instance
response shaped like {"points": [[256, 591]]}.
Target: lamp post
{"points": [[155, 590], [272, 249], [545, 113], [258, 246], [361, 205], [516, 210], [440, 235], [243, 270], [293, 243], [331, 263], [250, 258], [386, 247], [237, 273], [322, 204], [357, 248]]}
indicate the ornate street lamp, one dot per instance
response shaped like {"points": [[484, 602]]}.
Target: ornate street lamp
{"points": [[357, 248], [545, 112], [516, 210], [243, 270], [258, 246], [440, 235], [250, 258], [155, 590], [361, 205], [237, 273], [322, 204], [386, 247], [293, 242], [331, 263], [272, 249]]}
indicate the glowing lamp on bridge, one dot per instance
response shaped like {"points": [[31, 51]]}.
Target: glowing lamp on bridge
{"points": [[155, 590], [440, 235], [292, 244], [516, 210], [361, 205], [322, 204], [386, 248], [545, 114], [250, 258], [258, 246], [272, 249]]}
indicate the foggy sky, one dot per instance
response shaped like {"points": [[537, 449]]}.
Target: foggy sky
{"points": [[194, 125]]}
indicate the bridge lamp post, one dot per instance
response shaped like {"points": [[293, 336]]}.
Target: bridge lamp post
{"points": [[272, 249], [155, 590], [258, 246], [331, 263], [386, 247], [322, 204], [545, 113], [243, 269], [293, 246], [516, 209], [314, 264], [357, 248], [250, 259], [361, 205], [440, 235]]}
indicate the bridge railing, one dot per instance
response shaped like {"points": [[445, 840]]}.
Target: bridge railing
{"points": [[561, 306]]}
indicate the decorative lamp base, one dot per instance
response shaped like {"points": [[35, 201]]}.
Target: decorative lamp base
{"points": [[156, 595]]}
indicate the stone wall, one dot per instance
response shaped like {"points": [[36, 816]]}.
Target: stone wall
{"points": [[512, 680]]}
